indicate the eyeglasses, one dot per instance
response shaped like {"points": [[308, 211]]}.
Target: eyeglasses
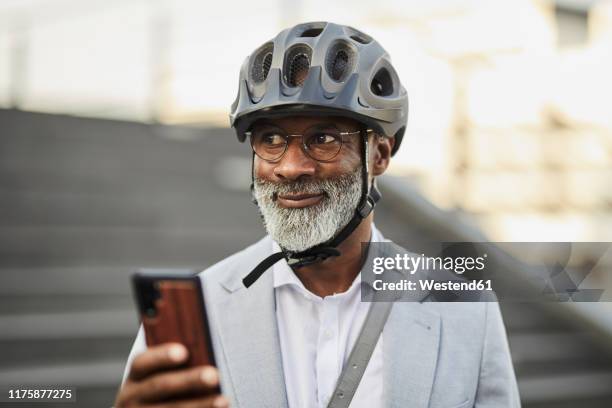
{"points": [[319, 143]]}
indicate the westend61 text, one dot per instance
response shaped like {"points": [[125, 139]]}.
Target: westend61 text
{"points": [[433, 285]]}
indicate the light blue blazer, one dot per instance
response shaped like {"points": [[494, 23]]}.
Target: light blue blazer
{"points": [[436, 354]]}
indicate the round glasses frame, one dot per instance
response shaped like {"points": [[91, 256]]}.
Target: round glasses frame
{"points": [[303, 144]]}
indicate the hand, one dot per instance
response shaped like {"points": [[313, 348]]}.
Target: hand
{"points": [[157, 380]]}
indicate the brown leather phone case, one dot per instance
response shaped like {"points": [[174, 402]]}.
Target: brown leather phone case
{"points": [[172, 309]]}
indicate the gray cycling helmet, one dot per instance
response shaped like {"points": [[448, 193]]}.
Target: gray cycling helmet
{"points": [[322, 68]]}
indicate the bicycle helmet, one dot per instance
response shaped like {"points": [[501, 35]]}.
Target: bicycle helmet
{"points": [[322, 68]]}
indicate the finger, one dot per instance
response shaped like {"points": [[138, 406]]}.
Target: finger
{"points": [[175, 383], [156, 359], [217, 401]]}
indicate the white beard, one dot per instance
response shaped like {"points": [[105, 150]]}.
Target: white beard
{"points": [[298, 229]]}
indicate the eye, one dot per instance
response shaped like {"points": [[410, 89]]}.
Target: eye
{"points": [[272, 139], [323, 138]]}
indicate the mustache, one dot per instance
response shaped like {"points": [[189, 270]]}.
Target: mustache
{"points": [[309, 186], [293, 187]]}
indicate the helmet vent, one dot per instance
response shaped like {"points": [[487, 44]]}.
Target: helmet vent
{"points": [[382, 84], [262, 63], [297, 65], [359, 39], [312, 32], [339, 65], [339, 61], [358, 36], [313, 29], [267, 63], [298, 70]]}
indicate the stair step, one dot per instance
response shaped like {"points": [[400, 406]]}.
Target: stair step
{"points": [[70, 280], [25, 304], [131, 209], [569, 386], [35, 352], [69, 325], [91, 373], [537, 347], [51, 246]]}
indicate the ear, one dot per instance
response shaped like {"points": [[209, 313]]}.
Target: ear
{"points": [[380, 154]]}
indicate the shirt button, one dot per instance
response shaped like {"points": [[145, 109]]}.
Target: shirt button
{"points": [[328, 334]]}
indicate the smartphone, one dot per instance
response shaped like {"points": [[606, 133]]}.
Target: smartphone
{"points": [[172, 309]]}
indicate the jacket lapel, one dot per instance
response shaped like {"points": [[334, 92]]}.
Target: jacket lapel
{"points": [[249, 335], [410, 350]]}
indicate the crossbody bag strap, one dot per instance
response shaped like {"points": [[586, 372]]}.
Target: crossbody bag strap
{"points": [[360, 355]]}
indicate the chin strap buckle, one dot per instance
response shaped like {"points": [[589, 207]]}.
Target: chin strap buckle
{"points": [[311, 256], [366, 208]]}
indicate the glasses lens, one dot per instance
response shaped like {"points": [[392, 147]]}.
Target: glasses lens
{"points": [[323, 144], [269, 144]]}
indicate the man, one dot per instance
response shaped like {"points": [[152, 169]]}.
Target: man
{"points": [[324, 112]]}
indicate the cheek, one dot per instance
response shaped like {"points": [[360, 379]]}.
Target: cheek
{"points": [[262, 169], [345, 168], [345, 163], [348, 162]]}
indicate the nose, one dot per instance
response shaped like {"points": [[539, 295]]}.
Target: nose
{"points": [[295, 164]]}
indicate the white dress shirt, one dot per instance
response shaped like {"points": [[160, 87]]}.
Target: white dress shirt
{"points": [[316, 337]]}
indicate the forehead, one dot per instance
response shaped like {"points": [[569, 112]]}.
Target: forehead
{"points": [[297, 124]]}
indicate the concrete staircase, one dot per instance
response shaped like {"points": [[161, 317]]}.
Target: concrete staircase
{"points": [[83, 202]]}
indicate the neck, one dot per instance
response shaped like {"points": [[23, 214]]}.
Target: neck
{"points": [[336, 274]]}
